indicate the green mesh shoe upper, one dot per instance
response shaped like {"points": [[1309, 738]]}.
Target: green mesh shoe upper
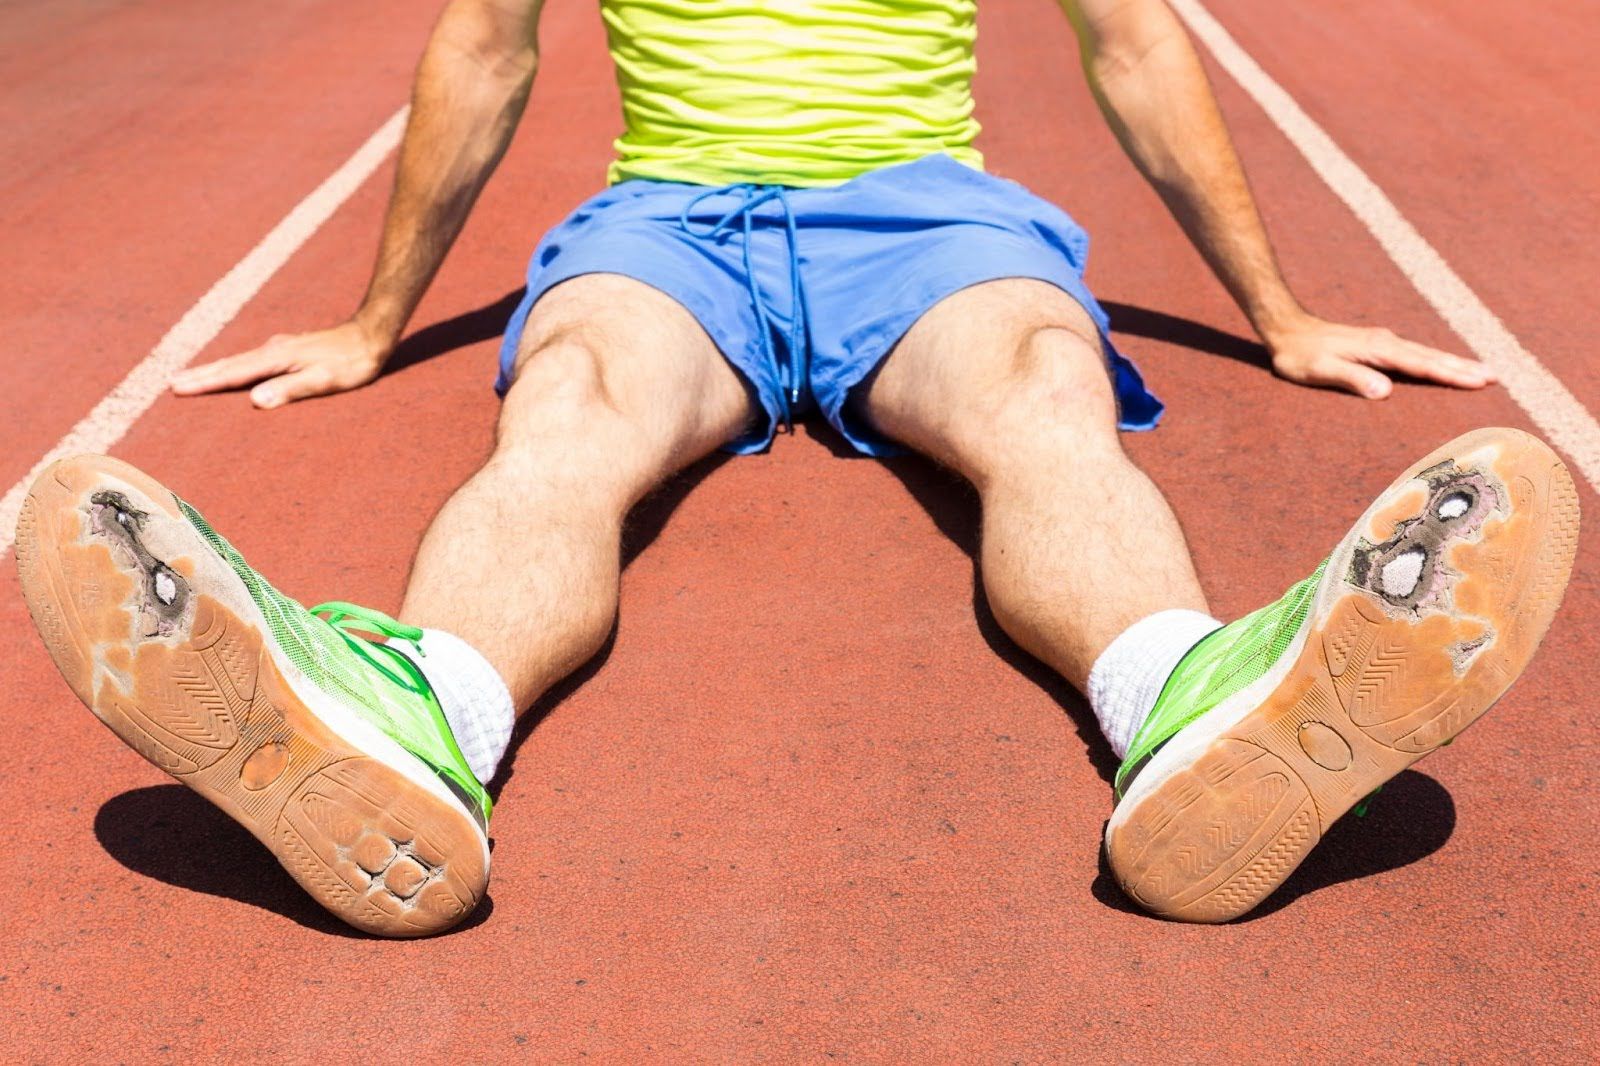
{"points": [[1224, 662], [368, 678]]}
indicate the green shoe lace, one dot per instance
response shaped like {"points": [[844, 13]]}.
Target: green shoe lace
{"points": [[1224, 662], [374, 681], [350, 618]]}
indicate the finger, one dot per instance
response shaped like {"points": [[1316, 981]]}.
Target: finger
{"points": [[1350, 376], [287, 388], [234, 372], [1431, 364]]}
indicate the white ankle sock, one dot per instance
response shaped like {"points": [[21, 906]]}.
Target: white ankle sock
{"points": [[475, 700], [1125, 681]]}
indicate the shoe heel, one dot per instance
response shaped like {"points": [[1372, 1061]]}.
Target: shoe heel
{"points": [[1214, 839], [378, 853]]}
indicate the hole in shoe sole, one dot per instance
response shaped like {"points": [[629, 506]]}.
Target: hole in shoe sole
{"points": [[1407, 570], [163, 598], [1401, 574], [1454, 506]]}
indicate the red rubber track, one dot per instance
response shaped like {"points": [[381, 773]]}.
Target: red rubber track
{"points": [[809, 803], [148, 146], [1478, 121]]}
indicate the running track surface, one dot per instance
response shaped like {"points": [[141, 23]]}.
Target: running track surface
{"points": [[810, 803]]}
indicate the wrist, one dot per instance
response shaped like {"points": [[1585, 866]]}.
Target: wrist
{"points": [[379, 329], [1278, 327]]}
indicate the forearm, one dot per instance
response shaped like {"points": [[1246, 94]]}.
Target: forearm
{"points": [[1155, 95], [470, 90]]}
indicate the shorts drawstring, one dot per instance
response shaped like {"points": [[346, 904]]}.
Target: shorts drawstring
{"points": [[792, 374]]}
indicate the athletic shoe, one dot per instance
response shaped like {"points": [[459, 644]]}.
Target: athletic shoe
{"points": [[330, 749], [1271, 728]]}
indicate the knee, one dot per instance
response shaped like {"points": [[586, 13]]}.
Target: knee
{"points": [[569, 417], [1057, 376], [1054, 393], [560, 389]]}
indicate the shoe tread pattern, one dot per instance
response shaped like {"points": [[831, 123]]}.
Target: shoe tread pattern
{"points": [[1201, 846], [212, 708]]}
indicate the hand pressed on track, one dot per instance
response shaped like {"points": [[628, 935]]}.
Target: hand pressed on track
{"points": [[1360, 359], [293, 367]]}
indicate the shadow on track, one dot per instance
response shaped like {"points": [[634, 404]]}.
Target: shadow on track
{"points": [[643, 525], [1411, 820], [1184, 332], [1133, 321], [169, 833], [953, 505], [442, 338], [489, 321]]}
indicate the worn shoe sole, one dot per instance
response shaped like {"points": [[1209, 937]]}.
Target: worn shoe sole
{"points": [[159, 638], [1427, 612]]}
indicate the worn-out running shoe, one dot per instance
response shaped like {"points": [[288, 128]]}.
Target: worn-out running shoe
{"points": [[1274, 726], [330, 749]]}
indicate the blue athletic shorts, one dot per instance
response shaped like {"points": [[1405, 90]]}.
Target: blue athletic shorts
{"points": [[862, 261]]}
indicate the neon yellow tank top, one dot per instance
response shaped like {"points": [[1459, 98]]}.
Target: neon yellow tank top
{"points": [[789, 92]]}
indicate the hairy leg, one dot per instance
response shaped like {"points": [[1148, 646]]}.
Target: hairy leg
{"points": [[617, 387], [1005, 383]]}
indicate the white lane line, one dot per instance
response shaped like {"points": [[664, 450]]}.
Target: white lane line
{"points": [[111, 418], [1565, 422]]}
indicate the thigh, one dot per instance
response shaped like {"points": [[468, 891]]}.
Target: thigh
{"points": [[656, 234], [994, 357], [951, 270], [608, 346]]}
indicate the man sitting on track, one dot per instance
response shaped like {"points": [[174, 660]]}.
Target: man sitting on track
{"points": [[797, 218]]}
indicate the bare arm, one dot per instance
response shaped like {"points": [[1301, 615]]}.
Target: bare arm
{"points": [[1148, 81], [470, 90]]}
